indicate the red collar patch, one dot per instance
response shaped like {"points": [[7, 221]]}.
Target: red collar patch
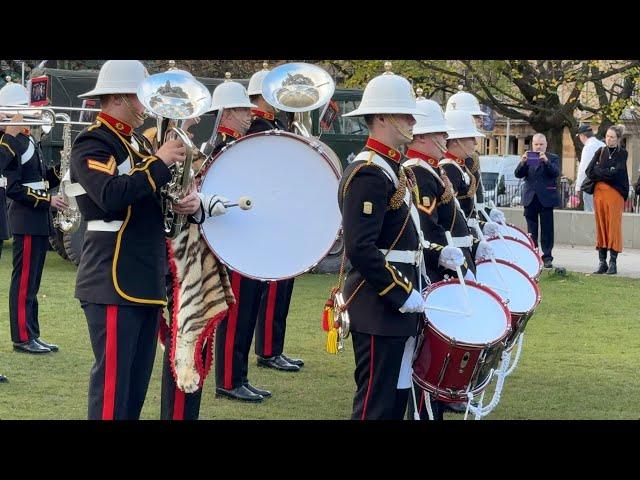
{"points": [[229, 131], [384, 150], [120, 126], [422, 156], [261, 113], [459, 161]]}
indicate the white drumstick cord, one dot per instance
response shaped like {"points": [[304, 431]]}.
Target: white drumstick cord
{"points": [[467, 303]]}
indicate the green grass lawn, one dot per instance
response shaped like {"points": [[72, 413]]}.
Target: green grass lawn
{"points": [[580, 359]]}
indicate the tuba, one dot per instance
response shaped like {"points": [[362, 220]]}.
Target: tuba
{"points": [[68, 219], [172, 97], [298, 88]]}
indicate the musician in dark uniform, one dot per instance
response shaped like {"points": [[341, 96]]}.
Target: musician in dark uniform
{"points": [[384, 245], [121, 276], [8, 157], [276, 297], [235, 332], [28, 184], [437, 206]]}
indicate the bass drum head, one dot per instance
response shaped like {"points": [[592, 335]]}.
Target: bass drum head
{"points": [[294, 219]]}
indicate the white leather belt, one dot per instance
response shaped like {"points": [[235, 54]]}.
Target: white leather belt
{"points": [[102, 226], [413, 257], [3, 182], [36, 185], [463, 241]]}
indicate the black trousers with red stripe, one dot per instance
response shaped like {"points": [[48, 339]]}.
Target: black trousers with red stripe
{"points": [[29, 252], [235, 332], [378, 361], [272, 318], [174, 403], [123, 339]]}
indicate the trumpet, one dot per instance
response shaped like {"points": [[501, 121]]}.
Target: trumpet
{"points": [[32, 116]]}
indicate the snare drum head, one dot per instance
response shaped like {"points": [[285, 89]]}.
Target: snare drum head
{"points": [[519, 253], [515, 232], [294, 219], [510, 283], [487, 322]]}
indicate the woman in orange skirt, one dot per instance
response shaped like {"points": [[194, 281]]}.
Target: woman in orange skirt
{"points": [[608, 171]]}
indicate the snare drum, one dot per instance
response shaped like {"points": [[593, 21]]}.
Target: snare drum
{"points": [[519, 253], [459, 349], [514, 286], [516, 232]]}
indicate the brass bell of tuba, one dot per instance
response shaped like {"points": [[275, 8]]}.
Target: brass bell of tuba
{"points": [[172, 97], [298, 88]]}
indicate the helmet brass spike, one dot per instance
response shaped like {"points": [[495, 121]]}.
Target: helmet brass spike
{"points": [[265, 65], [227, 76], [387, 68]]}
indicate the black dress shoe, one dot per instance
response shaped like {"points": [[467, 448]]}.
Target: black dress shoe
{"points": [[51, 346], [293, 361], [3, 379], [258, 391], [548, 263], [239, 393], [277, 363], [30, 346]]}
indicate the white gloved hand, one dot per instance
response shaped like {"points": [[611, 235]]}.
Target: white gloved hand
{"points": [[497, 216], [451, 257], [466, 178], [413, 304], [491, 229], [484, 251], [214, 205]]}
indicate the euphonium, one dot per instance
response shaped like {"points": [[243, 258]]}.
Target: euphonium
{"points": [[171, 96]]}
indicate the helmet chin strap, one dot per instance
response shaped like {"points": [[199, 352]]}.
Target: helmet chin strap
{"points": [[140, 117], [464, 150], [406, 134]]}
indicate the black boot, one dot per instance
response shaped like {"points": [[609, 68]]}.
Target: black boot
{"points": [[613, 267], [602, 254]]}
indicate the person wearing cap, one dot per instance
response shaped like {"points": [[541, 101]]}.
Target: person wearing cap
{"points": [[28, 184], [466, 102], [540, 195], [591, 144], [461, 142], [235, 333], [175, 403], [115, 181], [437, 206], [276, 296], [8, 156], [384, 244]]}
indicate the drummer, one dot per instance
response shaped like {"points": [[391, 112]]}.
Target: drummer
{"points": [[235, 333], [438, 207], [383, 243]]}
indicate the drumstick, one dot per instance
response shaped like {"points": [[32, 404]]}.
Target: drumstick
{"points": [[447, 310], [244, 203], [467, 303], [481, 236]]}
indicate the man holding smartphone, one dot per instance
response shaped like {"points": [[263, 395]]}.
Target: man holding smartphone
{"points": [[540, 171]]}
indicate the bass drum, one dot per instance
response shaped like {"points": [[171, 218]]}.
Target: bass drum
{"points": [[294, 220]]}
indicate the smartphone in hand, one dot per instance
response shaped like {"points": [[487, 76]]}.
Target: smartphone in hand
{"points": [[533, 159]]}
